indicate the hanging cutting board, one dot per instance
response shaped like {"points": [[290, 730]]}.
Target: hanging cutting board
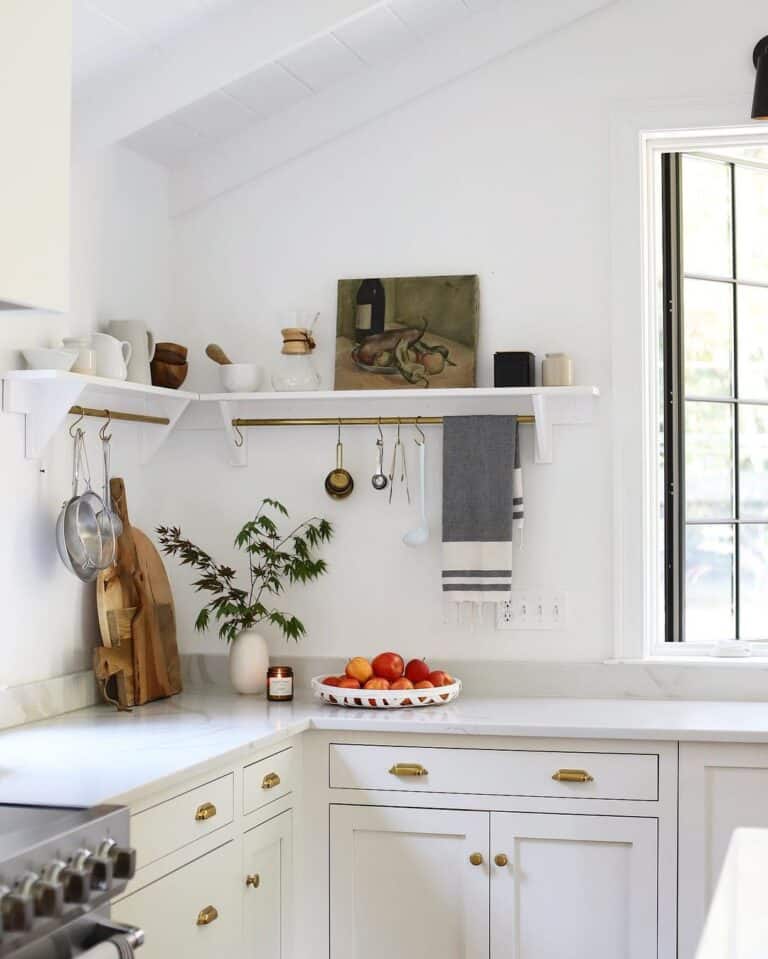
{"points": [[139, 581]]}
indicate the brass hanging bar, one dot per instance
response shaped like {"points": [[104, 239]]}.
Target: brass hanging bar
{"points": [[111, 414], [356, 421]]}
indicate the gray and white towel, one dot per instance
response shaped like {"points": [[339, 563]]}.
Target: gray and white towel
{"points": [[482, 505]]}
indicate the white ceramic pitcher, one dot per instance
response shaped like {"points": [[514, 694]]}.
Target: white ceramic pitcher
{"points": [[112, 356], [142, 343]]}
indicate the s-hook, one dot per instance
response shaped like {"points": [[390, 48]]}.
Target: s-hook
{"points": [[103, 431], [73, 428], [239, 438]]}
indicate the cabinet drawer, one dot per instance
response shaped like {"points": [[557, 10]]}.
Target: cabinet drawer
{"points": [[495, 772], [160, 830], [268, 779], [193, 912]]}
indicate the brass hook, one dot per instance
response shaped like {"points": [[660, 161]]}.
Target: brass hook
{"points": [[239, 438], [421, 431], [103, 431], [78, 421]]}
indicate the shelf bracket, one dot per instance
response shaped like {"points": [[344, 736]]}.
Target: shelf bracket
{"points": [[543, 427], [153, 437], [45, 405], [237, 442]]}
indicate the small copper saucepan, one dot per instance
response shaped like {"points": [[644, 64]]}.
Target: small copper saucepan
{"points": [[339, 483]]}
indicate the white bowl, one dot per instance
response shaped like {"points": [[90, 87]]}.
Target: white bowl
{"points": [[241, 377], [43, 358]]}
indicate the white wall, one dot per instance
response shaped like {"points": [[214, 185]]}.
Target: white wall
{"points": [[119, 268], [505, 173]]}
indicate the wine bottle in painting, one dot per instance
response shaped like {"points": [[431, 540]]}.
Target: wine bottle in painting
{"points": [[370, 309]]}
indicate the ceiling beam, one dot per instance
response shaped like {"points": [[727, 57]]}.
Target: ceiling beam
{"points": [[332, 113], [208, 56]]}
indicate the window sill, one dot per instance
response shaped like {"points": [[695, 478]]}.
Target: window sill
{"points": [[727, 662]]}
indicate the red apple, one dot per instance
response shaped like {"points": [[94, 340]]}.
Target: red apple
{"points": [[388, 666], [331, 681], [402, 683], [417, 670], [349, 682], [424, 684], [440, 678], [377, 682]]}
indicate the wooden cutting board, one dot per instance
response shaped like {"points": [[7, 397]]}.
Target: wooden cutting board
{"points": [[138, 581]]}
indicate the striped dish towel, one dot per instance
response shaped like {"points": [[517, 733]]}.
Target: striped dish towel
{"points": [[482, 504]]}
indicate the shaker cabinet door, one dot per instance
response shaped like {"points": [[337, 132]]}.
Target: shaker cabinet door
{"points": [[723, 787], [266, 884], [576, 886], [403, 883]]}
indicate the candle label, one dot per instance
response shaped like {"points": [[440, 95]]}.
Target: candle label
{"points": [[280, 685]]}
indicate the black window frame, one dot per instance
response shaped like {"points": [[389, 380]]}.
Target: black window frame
{"points": [[675, 522]]}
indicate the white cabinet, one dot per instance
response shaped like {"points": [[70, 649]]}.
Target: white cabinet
{"points": [[581, 886], [402, 883], [722, 786], [584, 886], [267, 893], [193, 912], [35, 93]]}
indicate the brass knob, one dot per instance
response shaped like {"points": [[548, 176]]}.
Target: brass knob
{"points": [[408, 769], [208, 915], [572, 776], [206, 811], [252, 881], [501, 860], [476, 858], [270, 781]]}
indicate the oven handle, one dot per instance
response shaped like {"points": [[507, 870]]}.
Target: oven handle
{"points": [[106, 929]]}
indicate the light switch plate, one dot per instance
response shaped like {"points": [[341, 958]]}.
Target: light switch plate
{"points": [[532, 609]]}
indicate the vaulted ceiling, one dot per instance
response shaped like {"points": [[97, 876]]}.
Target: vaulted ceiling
{"points": [[219, 91]]}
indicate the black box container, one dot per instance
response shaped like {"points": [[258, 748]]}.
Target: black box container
{"points": [[514, 369]]}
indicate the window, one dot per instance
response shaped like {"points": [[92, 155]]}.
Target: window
{"points": [[714, 436]]}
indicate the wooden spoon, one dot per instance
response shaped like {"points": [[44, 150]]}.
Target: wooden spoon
{"points": [[215, 352]]}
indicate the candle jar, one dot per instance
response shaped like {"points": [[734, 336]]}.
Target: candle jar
{"points": [[280, 684]]}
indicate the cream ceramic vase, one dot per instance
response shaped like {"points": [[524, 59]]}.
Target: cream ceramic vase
{"points": [[248, 663]]}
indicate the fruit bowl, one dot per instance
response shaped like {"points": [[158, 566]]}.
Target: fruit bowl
{"points": [[385, 698]]}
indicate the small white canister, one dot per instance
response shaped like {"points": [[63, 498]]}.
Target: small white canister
{"points": [[556, 370], [86, 355]]}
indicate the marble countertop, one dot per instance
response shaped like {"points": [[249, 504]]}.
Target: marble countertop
{"points": [[97, 755]]}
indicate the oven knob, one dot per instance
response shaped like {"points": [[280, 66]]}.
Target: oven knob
{"points": [[17, 906], [48, 891], [102, 873], [76, 878], [123, 858]]}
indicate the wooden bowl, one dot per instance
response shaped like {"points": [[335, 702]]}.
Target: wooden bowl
{"points": [[171, 353], [169, 375]]}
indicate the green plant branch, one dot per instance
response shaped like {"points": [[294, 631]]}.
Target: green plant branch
{"points": [[288, 558]]}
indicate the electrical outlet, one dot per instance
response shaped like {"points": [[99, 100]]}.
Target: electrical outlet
{"points": [[532, 609]]}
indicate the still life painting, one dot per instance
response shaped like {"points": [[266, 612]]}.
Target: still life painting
{"points": [[406, 332]]}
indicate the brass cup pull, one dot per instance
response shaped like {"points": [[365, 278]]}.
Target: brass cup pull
{"points": [[270, 781], [572, 776], [252, 881], [206, 811], [476, 858], [408, 769], [501, 859], [208, 915]]}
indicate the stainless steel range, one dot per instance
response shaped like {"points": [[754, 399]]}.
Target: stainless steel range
{"points": [[59, 869]]}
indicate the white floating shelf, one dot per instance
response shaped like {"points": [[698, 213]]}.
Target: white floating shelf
{"points": [[46, 396], [551, 406]]}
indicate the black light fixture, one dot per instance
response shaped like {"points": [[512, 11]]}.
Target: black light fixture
{"points": [[760, 59]]}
